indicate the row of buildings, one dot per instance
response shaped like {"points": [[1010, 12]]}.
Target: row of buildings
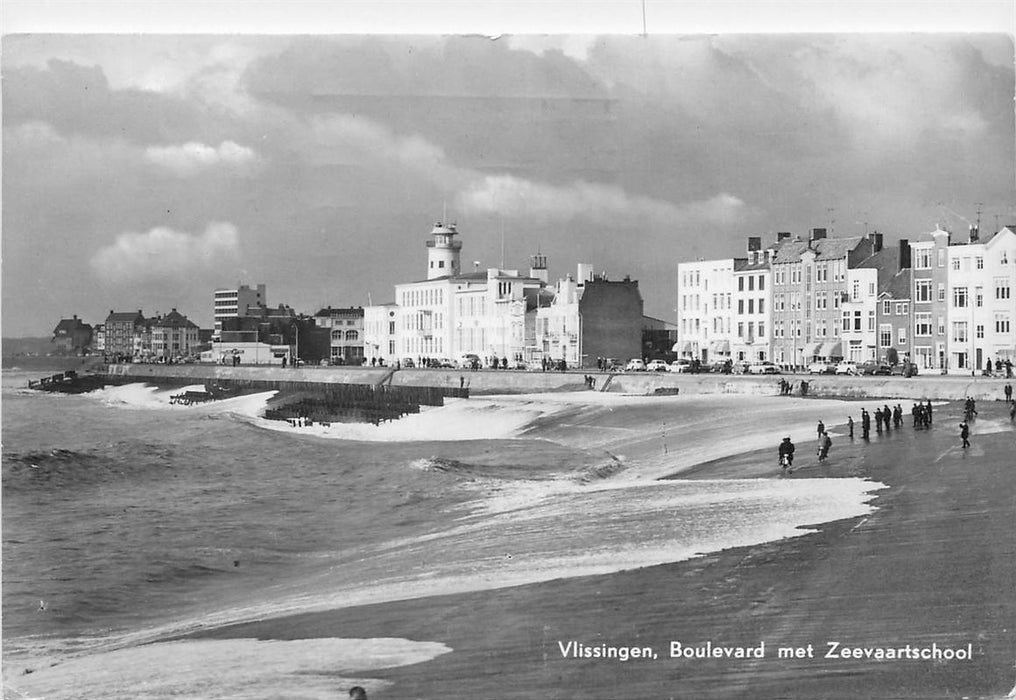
{"points": [[946, 305], [128, 334], [503, 315]]}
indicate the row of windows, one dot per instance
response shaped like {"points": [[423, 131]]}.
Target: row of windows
{"points": [[833, 270], [924, 257], [751, 282], [433, 296], [347, 335]]}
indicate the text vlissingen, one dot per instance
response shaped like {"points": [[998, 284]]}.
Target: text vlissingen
{"points": [[707, 650]]}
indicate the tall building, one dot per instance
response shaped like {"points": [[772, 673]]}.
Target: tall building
{"points": [[980, 301], [705, 309], [895, 318], [752, 301], [380, 326], [72, 335], [591, 317], [173, 335], [346, 334], [928, 299], [809, 279], [234, 303], [122, 330]]}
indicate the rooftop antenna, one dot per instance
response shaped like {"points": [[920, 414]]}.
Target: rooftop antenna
{"points": [[832, 220], [979, 205], [502, 241]]}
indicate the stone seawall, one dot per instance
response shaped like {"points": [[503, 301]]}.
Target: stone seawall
{"points": [[945, 387]]}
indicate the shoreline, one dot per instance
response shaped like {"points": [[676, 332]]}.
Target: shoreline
{"points": [[933, 564]]}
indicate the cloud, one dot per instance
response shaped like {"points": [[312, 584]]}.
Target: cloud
{"points": [[163, 253], [192, 157], [507, 194]]}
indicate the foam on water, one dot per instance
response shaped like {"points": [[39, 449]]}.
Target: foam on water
{"points": [[244, 668]]}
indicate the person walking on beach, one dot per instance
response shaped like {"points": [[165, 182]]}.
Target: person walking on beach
{"points": [[1008, 393], [965, 434], [927, 414], [824, 443], [821, 429], [850, 426], [865, 424]]}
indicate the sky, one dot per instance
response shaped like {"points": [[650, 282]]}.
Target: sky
{"points": [[143, 171]]}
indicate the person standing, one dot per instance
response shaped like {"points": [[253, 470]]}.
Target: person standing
{"points": [[887, 416], [865, 424], [965, 434], [878, 420], [850, 426], [824, 443], [821, 429], [927, 414], [1008, 393]]}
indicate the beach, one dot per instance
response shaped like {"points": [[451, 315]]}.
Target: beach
{"points": [[511, 546]]}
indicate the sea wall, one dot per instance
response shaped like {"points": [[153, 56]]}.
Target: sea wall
{"points": [[946, 387]]}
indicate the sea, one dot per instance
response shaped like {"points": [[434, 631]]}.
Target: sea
{"points": [[129, 521]]}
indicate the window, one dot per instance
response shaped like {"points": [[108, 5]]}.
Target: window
{"points": [[740, 329], [751, 306], [941, 257], [751, 284], [740, 306], [887, 307], [902, 308], [960, 297], [761, 307], [885, 335], [979, 330], [901, 337], [959, 334], [1002, 323], [978, 296], [761, 329], [923, 291], [956, 263], [857, 320], [740, 284], [979, 262], [941, 291], [941, 325], [1001, 288], [922, 324], [761, 284], [856, 293], [922, 259], [871, 320]]}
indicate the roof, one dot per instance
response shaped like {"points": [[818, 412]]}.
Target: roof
{"points": [[898, 286], [174, 319], [69, 325], [743, 264], [790, 250], [125, 317], [473, 277], [330, 312]]}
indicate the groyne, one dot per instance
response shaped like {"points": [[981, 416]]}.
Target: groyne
{"points": [[323, 382]]}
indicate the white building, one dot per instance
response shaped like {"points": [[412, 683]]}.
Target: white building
{"points": [[859, 331], [980, 300], [751, 302], [451, 313], [380, 340], [232, 303], [705, 310]]}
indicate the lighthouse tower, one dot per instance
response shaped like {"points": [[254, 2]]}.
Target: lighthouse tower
{"points": [[443, 251]]}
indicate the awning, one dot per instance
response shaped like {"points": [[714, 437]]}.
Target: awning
{"points": [[831, 350], [811, 349], [682, 346], [719, 346]]}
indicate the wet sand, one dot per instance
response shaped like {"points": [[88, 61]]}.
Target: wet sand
{"points": [[934, 564]]}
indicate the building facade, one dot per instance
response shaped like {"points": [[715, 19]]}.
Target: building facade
{"points": [[125, 333], [380, 338], [72, 335], [346, 334], [233, 303], [928, 299], [173, 336]]}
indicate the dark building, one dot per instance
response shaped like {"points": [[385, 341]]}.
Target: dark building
{"points": [[611, 320], [123, 328], [72, 336]]}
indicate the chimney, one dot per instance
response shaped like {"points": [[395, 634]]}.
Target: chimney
{"points": [[876, 242], [904, 254], [782, 236], [817, 234], [974, 234]]}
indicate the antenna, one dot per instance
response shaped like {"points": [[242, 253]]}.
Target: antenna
{"points": [[979, 205], [444, 211], [832, 220], [502, 241]]}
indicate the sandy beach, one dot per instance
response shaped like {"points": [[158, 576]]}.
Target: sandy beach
{"points": [[933, 564]]}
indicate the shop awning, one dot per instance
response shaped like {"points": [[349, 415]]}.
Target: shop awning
{"points": [[831, 350], [811, 349], [682, 346], [719, 346]]}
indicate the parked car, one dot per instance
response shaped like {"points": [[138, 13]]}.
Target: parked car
{"points": [[873, 367], [846, 368], [682, 365], [821, 368], [408, 362], [656, 366], [610, 364], [763, 368], [901, 370], [635, 365], [468, 360], [741, 367]]}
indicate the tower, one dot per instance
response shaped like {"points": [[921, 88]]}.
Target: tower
{"points": [[443, 252]]}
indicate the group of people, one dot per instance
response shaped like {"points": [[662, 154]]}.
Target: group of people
{"points": [[999, 367]]}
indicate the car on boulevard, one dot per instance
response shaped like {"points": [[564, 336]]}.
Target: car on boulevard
{"points": [[763, 368], [635, 365], [846, 368], [656, 366], [822, 368], [873, 367], [681, 365]]}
